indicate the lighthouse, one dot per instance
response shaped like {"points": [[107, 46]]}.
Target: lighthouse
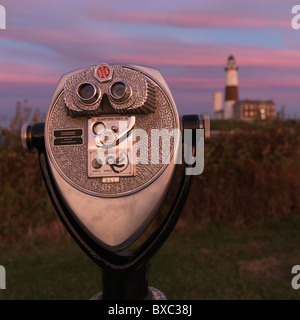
{"points": [[231, 89]]}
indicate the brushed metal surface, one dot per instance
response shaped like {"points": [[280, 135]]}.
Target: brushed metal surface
{"points": [[115, 223]]}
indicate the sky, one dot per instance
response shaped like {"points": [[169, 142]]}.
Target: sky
{"points": [[188, 41]]}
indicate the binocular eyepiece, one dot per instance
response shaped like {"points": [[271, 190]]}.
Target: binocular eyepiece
{"points": [[105, 89]]}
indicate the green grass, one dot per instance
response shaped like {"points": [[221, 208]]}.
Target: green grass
{"points": [[61, 272], [213, 262], [226, 263]]}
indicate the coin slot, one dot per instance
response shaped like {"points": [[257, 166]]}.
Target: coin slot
{"points": [[98, 127]]}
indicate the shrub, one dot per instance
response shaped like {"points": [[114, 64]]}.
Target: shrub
{"points": [[250, 174]]}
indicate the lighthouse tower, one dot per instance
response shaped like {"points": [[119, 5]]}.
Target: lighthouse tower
{"points": [[231, 89]]}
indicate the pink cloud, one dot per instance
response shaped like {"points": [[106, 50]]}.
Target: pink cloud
{"points": [[210, 55], [195, 18], [19, 73], [280, 81], [219, 82], [280, 60], [23, 78], [194, 83], [43, 35], [83, 44]]}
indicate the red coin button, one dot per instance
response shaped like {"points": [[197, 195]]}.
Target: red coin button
{"points": [[103, 72]]}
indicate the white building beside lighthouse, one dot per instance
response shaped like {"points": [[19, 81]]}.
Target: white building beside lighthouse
{"points": [[218, 105], [231, 89]]}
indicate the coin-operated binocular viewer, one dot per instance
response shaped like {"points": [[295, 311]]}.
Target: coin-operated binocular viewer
{"points": [[108, 152]]}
